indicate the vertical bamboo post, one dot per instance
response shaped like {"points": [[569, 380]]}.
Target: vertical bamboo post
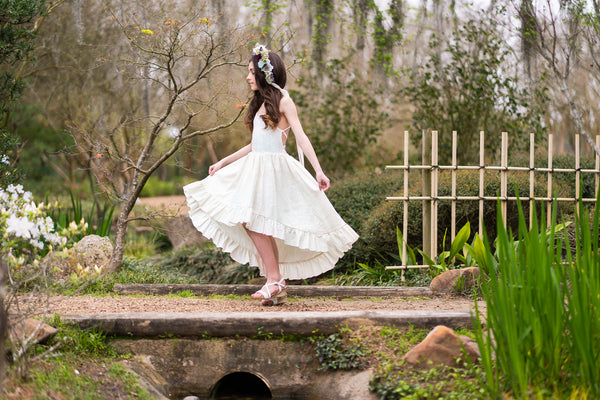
{"points": [[405, 207], [453, 204], [504, 176], [597, 174], [481, 175], [577, 171], [531, 176], [434, 193], [426, 177], [549, 190]]}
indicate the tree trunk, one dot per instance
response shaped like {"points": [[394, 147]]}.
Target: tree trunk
{"points": [[3, 320], [576, 115], [119, 247]]}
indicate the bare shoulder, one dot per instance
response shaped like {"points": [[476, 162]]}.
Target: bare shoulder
{"points": [[288, 108], [286, 103]]}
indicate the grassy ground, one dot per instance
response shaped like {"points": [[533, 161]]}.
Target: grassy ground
{"points": [[83, 367]]}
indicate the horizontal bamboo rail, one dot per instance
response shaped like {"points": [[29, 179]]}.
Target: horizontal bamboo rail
{"points": [[431, 172]]}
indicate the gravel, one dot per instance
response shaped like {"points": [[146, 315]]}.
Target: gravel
{"points": [[92, 304]]}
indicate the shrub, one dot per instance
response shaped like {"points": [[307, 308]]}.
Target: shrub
{"points": [[207, 265], [157, 187], [354, 197], [379, 230], [566, 180]]}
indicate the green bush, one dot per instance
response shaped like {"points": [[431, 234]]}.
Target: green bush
{"points": [[379, 230], [207, 265], [157, 187], [566, 180], [354, 197]]}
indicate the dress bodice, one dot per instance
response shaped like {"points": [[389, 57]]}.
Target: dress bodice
{"points": [[266, 139]]}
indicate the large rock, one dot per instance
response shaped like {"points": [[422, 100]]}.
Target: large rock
{"points": [[449, 280], [181, 232], [441, 347], [90, 255], [93, 251], [21, 331]]}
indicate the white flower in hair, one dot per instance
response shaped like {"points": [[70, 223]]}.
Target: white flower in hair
{"points": [[262, 55]]}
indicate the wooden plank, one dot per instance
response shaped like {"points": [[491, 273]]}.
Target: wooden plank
{"points": [[597, 166], [481, 179], [426, 192], [549, 191], [504, 176], [293, 290], [405, 206], [531, 176], [453, 172], [250, 324]]}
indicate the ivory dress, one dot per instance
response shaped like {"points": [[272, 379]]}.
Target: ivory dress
{"points": [[272, 193]]}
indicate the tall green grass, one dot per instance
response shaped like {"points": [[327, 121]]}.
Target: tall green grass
{"points": [[542, 337], [99, 218]]}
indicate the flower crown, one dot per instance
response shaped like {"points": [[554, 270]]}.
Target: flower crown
{"points": [[261, 53]]}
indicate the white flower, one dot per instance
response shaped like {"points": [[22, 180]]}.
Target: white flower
{"points": [[17, 189], [27, 196], [55, 238], [38, 244], [30, 207], [20, 226], [48, 225], [4, 159]]}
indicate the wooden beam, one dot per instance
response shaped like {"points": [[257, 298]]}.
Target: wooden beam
{"points": [[293, 290], [249, 324]]}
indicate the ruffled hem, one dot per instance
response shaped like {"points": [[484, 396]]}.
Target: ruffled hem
{"points": [[272, 194], [216, 221]]}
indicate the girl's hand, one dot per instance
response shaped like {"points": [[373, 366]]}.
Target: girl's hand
{"points": [[323, 181], [215, 167]]}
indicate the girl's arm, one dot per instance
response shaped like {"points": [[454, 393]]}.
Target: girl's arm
{"points": [[288, 108], [229, 159]]}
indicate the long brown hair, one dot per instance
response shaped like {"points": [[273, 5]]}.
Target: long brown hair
{"points": [[267, 94]]}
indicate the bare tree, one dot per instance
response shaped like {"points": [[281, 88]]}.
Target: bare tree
{"points": [[171, 92], [566, 38], [3, 319]]}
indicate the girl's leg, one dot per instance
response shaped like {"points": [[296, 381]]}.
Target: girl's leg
{"points": [[267, 249]]}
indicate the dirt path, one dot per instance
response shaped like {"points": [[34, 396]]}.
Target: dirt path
{"points": [[174, 205], [71, 305]]}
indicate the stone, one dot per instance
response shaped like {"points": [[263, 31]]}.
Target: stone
{"points": [[442, 346], [471, 347], [147, 377], [90, 255], [181, 232], [93, 251], [341, 385], [22, 330], [448, 280]]}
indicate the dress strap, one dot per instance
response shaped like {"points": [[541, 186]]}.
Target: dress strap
{"points": [[285, 131]]}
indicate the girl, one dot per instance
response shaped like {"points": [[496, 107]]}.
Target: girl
{"points": [[261, 205]]}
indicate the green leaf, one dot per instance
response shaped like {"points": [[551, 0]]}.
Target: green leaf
{"points": [[460, 240], [427, 259], [410, 254]]}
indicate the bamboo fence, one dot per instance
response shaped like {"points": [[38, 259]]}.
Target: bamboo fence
{"points": [[430, 198]]}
